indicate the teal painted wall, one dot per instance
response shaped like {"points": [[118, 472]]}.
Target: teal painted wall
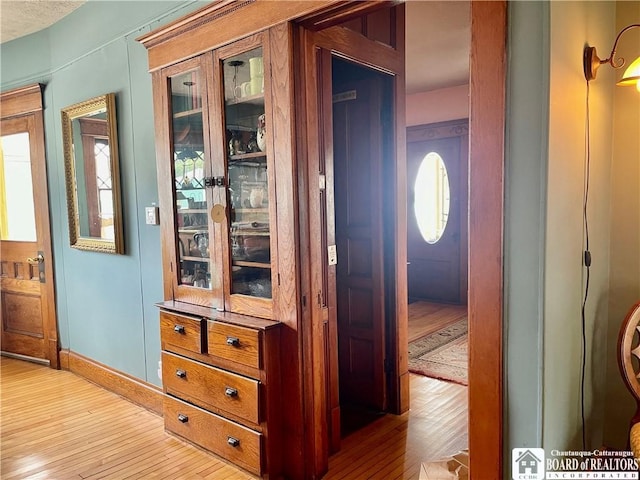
{"points": [[105, 302], [525, 203]]}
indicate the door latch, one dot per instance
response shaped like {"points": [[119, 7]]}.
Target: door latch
{"points": [[39, 261], [332, 252], [214, 182]]}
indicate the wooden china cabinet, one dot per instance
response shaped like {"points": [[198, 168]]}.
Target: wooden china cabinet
{"points": [[220, 342], [241, 334]]}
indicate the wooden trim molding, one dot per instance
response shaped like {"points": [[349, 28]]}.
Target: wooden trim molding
{"points": [[135, 390], [434, 131], [349, 44], [342, 12], [220, 24], [486, 213], [213, 11], [22, 100], [64, 359]]}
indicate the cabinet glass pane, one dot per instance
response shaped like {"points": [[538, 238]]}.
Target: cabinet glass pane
{"points": [[192, 234], [249, 228]]}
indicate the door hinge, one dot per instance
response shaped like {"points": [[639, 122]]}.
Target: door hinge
{"points": [[214, 181]]}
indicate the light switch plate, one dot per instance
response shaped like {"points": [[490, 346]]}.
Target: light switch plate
{"points": [[152, 215]]}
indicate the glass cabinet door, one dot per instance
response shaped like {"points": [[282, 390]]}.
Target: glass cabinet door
{"points": [[246, 135], [189, 170]]}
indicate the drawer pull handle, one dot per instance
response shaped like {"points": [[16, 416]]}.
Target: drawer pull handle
{"points": [[233, 341], [183, 418], [181, 373], [230, 392], [179, 329], [234, 442]]}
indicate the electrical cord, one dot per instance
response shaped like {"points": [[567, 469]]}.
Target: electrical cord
{"points": [[587, 265]]}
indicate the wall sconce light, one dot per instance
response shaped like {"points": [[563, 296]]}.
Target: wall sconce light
{"points": [[591, 63]]}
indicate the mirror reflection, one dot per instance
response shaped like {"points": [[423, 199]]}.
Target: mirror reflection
{"points": [[91, 168]]}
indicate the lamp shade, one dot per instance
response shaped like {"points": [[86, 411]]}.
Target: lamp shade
{"points": [[632, 75]]}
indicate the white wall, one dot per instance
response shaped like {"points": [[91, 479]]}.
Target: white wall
{"points": [[572, 25], [438, 105], [624, 285]]}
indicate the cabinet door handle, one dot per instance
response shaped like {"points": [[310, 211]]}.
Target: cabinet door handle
{"points": [[182, 418], [233, 341], [179, 329], [230, 392], [234, 442], [181, 373]]}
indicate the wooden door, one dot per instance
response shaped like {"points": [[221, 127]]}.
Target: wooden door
{"points": [[358, 153], [26, 278], [437, 157]]}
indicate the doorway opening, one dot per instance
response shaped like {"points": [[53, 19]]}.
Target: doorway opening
{"points": [[484, 104], [437, 246], [361, 116]]}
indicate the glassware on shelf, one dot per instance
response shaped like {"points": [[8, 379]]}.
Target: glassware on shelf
{"points": [[249, 223], [188, 180]]}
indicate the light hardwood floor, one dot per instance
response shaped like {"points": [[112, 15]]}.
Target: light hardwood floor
{"points": [[427, 317], [56, 425]]}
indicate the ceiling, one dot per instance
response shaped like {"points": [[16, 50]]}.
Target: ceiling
{"points": [[20, 18], [438, 43], [438, 36]]}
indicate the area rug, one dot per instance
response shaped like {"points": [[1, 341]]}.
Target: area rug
{"points": [[442, 355]]}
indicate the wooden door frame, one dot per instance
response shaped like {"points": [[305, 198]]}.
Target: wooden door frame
{"points": [[317, 47], [486, 216], [27, 101], [486, 223]]}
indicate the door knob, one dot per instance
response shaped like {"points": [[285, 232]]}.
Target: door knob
{"points": [[36, 260]]}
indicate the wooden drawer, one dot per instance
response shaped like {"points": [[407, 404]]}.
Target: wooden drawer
{"points": [[234, 442], [234, 343], [180, 331], [211, 387]]}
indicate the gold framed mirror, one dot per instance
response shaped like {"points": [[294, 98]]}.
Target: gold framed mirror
{"points": [[92, 175]]}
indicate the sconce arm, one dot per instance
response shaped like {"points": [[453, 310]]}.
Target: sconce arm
{"points": [[612, 60], [591, 62]]}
